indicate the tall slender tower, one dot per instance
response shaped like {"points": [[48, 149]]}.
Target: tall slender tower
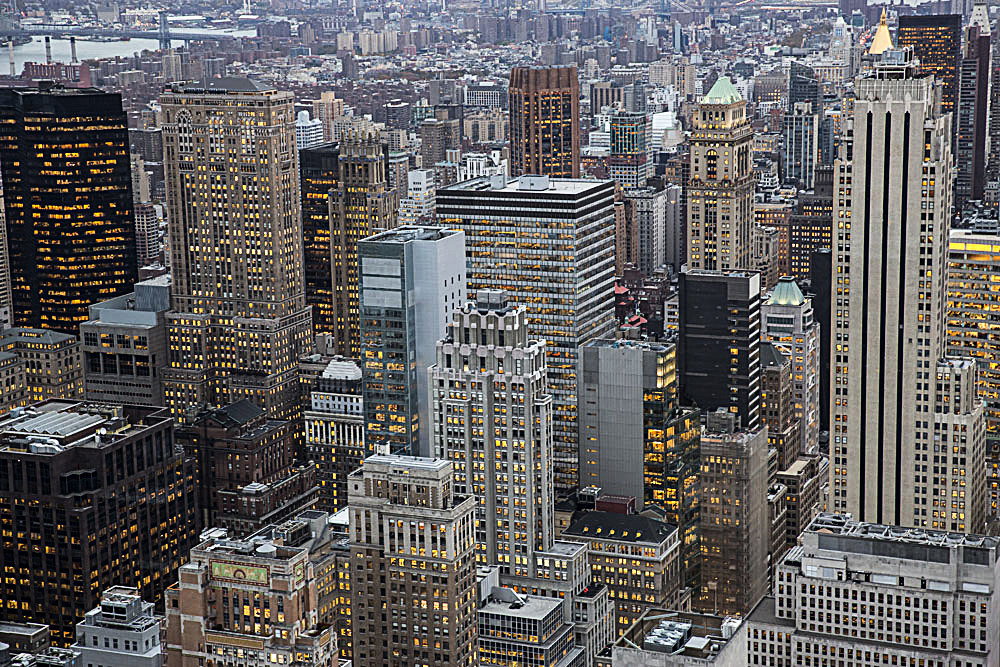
{"points": [[67, 192], [319, 174], [544, 121], [973, 102], [720, 189], [239, 320], [892, 394], [936, 41]]}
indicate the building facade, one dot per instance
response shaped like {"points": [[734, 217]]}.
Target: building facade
{"points": [[544, 106]]}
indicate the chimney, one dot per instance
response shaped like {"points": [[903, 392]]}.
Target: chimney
{"points": [[48, 50], [72, 50]]}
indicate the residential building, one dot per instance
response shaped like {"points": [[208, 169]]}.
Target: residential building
{"points": [[239, 317], [308, 132], [437, 137], [124, 345], [718, 348], [67, 191], [148, 243], [566, 282], [394, 566], [122, 630], [412, 278], [721, 184], [71, 459], [544, 105], [417, 207], [52, 362], [887, 575]]}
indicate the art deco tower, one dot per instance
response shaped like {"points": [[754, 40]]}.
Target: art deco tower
{"points": [[544, 121], [720, 189], [239, 320]]}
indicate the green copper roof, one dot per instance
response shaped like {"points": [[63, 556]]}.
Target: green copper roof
{"points": [[723, 92], [786, 293]]}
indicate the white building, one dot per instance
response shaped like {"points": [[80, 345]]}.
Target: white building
{"points": [[418, 204], [857, 593], [123, 631], [308, 132]]}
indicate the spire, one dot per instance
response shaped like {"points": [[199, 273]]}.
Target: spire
{"points": [[882, 41]]}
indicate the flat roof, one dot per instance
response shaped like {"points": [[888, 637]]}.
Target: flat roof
{"points": [[532, 607], [408, 233], [404, 461], [519, 185]]}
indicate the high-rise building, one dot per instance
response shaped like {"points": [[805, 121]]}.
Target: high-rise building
{"points": [[801, 131], [629, 162], [549, 244], [735, 525], [239, 320], [335, 430], [248, 601], [820, 283], [308, 131], [412, 278], [122, 630], [544, 105], [417, 207], [719, 346], [412, 539], [644, 229], [889, 387], [319, 182], [516, 629], [70, 460], [635, 438], [148, 243], [895, 573], [249, 474], [970, 116], [776, 405], [6, 305], [327, 109], [437, 137], [124, 345], [721, 184], [811, 225], [67, 191], [936, 41], [786, 320], [364, 205], [488, 371]]}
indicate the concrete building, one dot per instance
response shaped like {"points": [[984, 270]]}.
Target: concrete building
{"points": [[801, 481], [734, 517], [417, 207], [663, 637], [488, 371], [645, 221], [566, 282], [148, 241], [437, 137], [879, 581], [888, 393], [412, 539], [776, 404], [124, 345], [544, 105], [239, 317], [73, 458], [720, 189], [246, 601], [412, 278], [308, 131], [123, 631], [52, 362], [519, 629], [13, 383]]}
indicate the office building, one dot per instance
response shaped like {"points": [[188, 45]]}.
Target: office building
{"points": [[412, 278], [804, 86], [72, 459], [629, 162], [970, 116], [566, 282], [328, 109], [6, 304], [395, 566], [25, 637], [308, 131], [973, 261], [488, 371], [335, 430], [636, 557], [52, 362], [122, 630], [718, 349], [319, 178], [936, 41], [13, 382], [721, 183], [767, 255], [148, 243], [887, 577], [517, 629], [644, 235], [124, 345], [365, 204], [820, 281], [787, 322], [239, 318], [635, 438], [801, 482], [246, 602], [811, 225], [801, 133], [888, 386], [735, 526], [664, 637], [75, 245], [248, 475], [437, 137], [776, 403], [544, 104]]}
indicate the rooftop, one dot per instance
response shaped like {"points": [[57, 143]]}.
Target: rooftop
{"points": [[620, 527], [407, 233], [723, 92], [43, 336], [530, 607], [401, 461], [226, 84], [55, 425], [786, 293], [843, 526], [522, 184], [625, 343], [771, 356]]}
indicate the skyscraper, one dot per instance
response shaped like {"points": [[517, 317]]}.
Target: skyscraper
{"points": [[490, 373], [394, 567], [720, 189], [811, 226], [801, 130], [889, 385], [970, 119], [412, 278], [719, 345], [544, 107], [319, 182], [67, 194], [239, 320], [936, 41], [629, 161], [549, 244]]}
